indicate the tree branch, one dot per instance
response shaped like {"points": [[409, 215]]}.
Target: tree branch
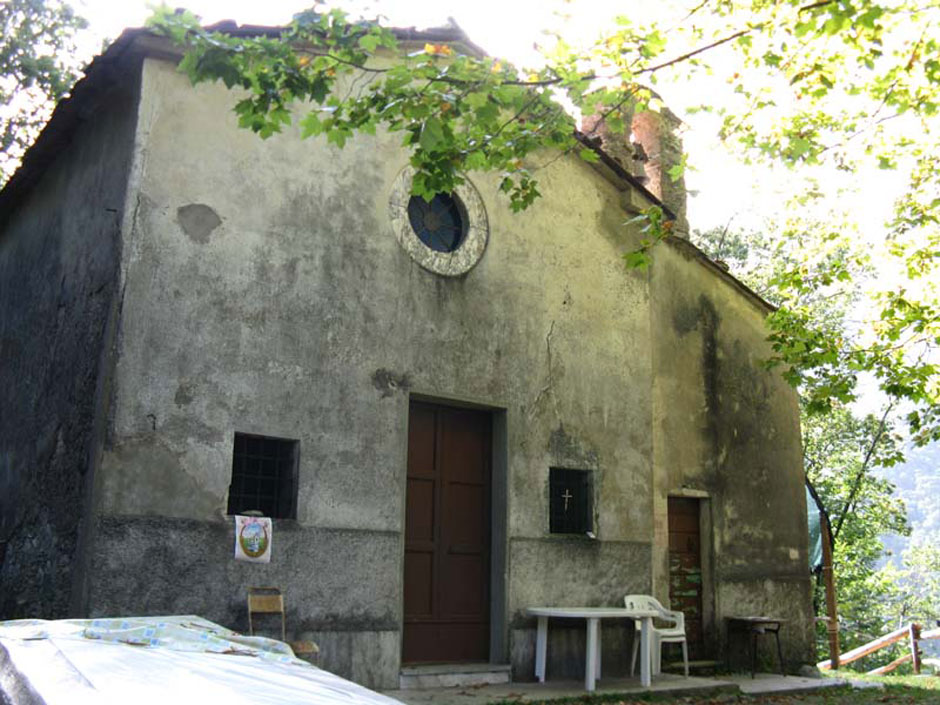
{"points": [[332, 57], [700, 50], [857, 482], [814, 5]]}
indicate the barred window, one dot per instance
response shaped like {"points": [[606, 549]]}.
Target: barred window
{"points": [[264, 476]]}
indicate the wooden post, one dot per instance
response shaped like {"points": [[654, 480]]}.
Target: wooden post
{"points": [[915, 651], [832, 625]]}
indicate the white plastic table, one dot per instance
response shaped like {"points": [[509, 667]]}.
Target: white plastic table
{"points": [[593, 616]]}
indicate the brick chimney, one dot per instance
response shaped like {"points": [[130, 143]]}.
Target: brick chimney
{"points": [[648, 152]]}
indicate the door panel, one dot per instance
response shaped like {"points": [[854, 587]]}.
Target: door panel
{"points": [[685, 568], [418, 598], [419, 522], [464, 575], [447, 536], [466, 505]]}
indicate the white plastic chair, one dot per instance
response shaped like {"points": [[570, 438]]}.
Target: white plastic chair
{"points": [[669, 635]]}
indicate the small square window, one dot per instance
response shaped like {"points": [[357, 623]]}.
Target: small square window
{"points": [[264, 476], [571, 503]]}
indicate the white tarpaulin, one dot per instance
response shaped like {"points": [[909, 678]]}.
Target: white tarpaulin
{"points": [[181, 660]]}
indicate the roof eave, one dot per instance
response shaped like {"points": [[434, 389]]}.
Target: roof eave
{"points": [[100, 74], [689, 249]]}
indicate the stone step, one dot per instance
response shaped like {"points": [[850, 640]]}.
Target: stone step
{"points": [[701, 665], [451, 675]]}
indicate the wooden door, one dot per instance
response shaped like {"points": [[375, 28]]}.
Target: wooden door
{"points": [[685, 568], [447, 536]]}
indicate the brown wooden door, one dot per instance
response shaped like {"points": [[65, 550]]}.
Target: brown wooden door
{"points": [[447, 536], [685, 568]]}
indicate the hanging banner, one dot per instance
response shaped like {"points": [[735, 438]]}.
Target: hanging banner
{"points": [[253, 539], [815, 517]]}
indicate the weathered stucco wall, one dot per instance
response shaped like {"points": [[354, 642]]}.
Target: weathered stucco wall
{"points": [[727, 430], [266, 293], [59, 251]]}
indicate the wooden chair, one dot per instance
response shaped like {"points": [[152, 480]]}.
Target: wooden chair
{"points": [[270, 601], [266, 600]]}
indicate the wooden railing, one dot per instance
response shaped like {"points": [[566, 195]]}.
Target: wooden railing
{"points": [[912, 632]]}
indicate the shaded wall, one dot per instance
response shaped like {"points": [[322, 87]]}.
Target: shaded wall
{"points": [[726, 430], [59, 253]]}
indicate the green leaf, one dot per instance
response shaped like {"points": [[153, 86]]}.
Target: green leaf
{"points": [[477, 99], [432, 134], [337, 137], [369, 42], [487, 112], [799, 146], [615, 124], [589, 155], [638, 259], [771, 59], [419, 186], [654, 43], [310, 125], [475, 160]]}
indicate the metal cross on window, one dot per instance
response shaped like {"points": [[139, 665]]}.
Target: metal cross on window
{"points": [[566, 496]]}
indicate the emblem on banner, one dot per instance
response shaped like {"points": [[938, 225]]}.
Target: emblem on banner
{"points": [[253, 539]]}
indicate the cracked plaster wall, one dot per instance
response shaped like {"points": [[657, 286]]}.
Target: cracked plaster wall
{"points": [[267, 293]]}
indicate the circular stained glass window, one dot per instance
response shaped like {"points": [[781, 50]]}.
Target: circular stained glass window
{"points": [[447, 235], [440, 224]]}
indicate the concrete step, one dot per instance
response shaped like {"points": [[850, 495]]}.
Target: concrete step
{"points": [[700, 666], [450, 675]]}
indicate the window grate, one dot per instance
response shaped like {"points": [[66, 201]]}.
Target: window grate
{"points": [[264, 476], [439, 224], [570, 501]]}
